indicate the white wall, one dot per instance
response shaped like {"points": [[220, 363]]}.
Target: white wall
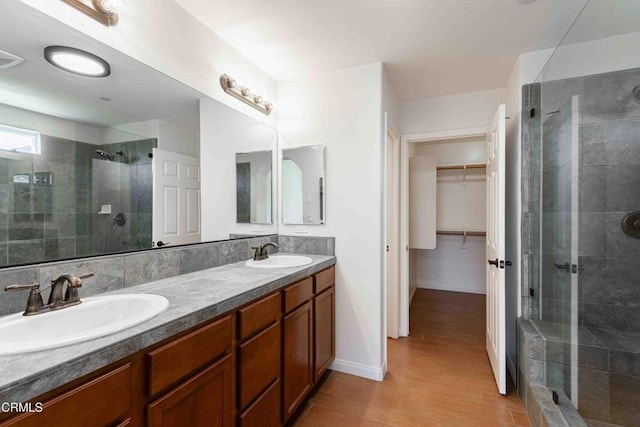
{"points": [[49, 125], [463, 111], [593, 57], [223, 133], [343, 110], [164, 36], [452, 266], [170, 137], [67, 129]]}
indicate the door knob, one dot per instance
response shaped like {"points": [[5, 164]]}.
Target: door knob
{"points": [[492, 262], [160, 243]]}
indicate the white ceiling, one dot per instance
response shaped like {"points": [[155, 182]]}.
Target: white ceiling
{"points": [[133, 87], [431, 47]]}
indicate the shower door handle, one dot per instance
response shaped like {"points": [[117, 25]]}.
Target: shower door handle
{"points": [[492, 262]]}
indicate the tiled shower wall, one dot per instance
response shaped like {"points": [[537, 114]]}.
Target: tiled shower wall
{"points": [[47, 206], [609, 280], [118, 271]]}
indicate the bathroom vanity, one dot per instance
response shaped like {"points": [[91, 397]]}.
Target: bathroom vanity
{"points": [[237, 346]]}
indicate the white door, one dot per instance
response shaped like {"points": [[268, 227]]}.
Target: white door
{"points": [[495, 322], [176, 198]]}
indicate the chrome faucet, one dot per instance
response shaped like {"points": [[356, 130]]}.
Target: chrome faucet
{"points": [[56, 299], [261, 251]]}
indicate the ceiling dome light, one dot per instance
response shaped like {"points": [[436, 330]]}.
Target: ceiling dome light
{"points": [[77, 61]]}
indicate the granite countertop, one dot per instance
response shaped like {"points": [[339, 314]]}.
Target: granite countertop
{"points": [[194, 298]]}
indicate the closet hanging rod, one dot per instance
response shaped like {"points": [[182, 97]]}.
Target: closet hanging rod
{"points": [[467, 166], [461, 233]]}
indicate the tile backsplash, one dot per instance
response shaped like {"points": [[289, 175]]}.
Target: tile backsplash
{"points": [[129, 269]]}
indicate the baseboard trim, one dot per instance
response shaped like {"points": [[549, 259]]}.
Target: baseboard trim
{"points": [[359, 370], [445, 287]]}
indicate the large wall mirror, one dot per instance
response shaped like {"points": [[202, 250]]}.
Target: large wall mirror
{"points": [[303, 194], [77, 153]]}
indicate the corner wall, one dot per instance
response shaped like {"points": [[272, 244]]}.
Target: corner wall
{"points": [[343, 110]]}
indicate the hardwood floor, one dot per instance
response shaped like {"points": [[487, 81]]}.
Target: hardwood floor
{"points": [[439, 376]]}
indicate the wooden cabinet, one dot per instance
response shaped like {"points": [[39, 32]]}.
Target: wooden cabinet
{"points": [[105, 400], [260, 363], [252, 367], [205, 400], [183, 356], [298, 357], [265, 411], [324, 331]]}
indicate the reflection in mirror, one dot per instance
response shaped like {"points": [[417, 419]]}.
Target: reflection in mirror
{"points": [[76, 170], [303, 195], [253, 187], [227, 210]]}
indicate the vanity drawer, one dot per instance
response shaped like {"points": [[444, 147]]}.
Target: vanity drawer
{"points": [[324, 279], [259, 363], [258, 315], [187, 354], [78, 407], [265, 411], [297, 294]]}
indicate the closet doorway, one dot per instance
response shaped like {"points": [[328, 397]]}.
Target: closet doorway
{"points": [[452, 224], [443, 189]]}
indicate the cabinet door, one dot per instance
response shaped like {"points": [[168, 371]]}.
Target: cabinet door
{"points": [[205, 400], [259, 364], [298, 357], [324, 307], [265, 410], [105, 400]]}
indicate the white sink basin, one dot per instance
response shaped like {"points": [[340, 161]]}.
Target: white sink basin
{"points": [[95, 317], [280, 261]]}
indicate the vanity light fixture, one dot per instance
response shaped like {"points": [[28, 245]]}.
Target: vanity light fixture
{"points": [[77, 61], [103, 11], [245, 95]]}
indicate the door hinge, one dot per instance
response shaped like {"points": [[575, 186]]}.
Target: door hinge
{"points": [[532, 113], [531, 292]]}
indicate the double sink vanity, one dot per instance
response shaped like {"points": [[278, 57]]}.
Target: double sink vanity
{"points": [[240, 344]]}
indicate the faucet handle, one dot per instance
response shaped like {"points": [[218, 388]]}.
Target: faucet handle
{"points": [[32, 286], [257, 250], [77, 282], [71, 295], [34, 303]]}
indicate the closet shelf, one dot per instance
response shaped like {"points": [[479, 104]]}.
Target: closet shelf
{"points": [[467, 166], [461, 233]]}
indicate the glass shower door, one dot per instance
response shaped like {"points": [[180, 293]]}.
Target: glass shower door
{"points": [[558, 297]]}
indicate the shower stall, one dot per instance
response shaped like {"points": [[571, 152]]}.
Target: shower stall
{"points": [[581, 224]]}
